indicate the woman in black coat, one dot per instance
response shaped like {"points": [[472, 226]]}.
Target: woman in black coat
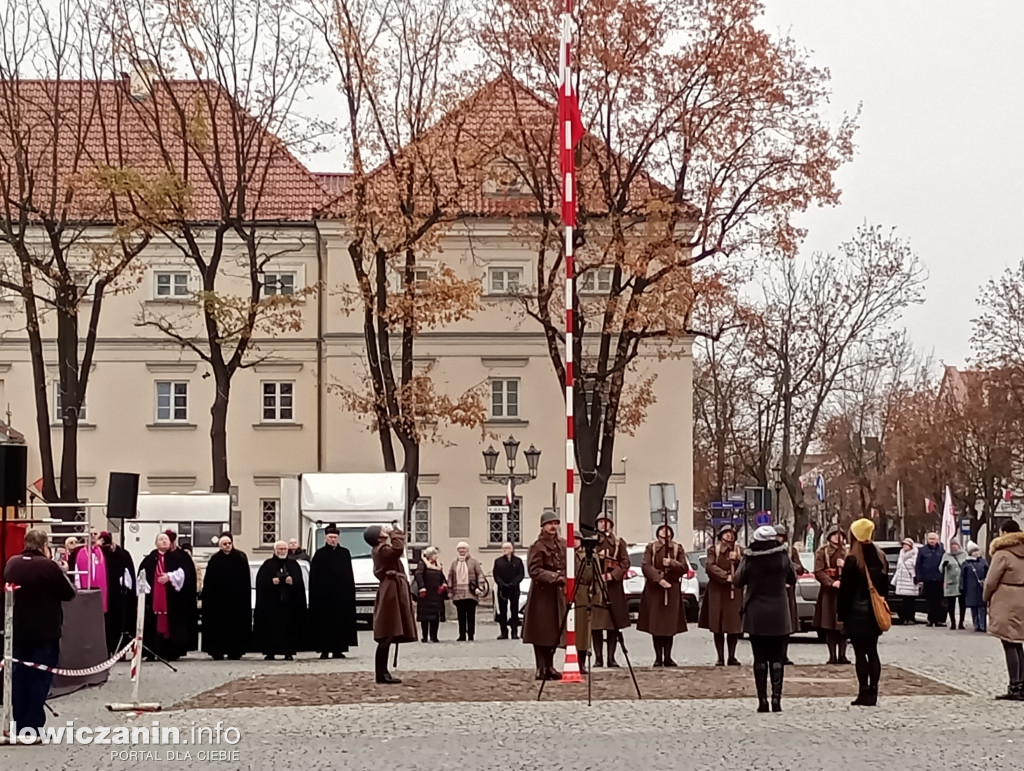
{"points": [[856, 611], [227, 602], [430, 590], [765, 572]]}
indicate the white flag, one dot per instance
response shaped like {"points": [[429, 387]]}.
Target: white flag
{"points": [[948, 532], [508, 493]]}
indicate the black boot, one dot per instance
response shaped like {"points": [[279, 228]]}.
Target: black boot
{"points": [[659, 645], [583, 662], [872, 696], [777, 669], [761, 683], [1015, 692], [731, 640], [424, 631], [380, 661], [540, 662], [830, 642], [842, 651], [667, 647], [862, 697], [549, 671], [720, 650], [613, 640], [515, 632], [597, 646]]}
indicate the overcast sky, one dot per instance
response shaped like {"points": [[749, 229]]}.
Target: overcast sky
{"points": [[941, 145]]}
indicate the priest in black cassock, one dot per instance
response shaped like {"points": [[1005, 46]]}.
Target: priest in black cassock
{"points": [[170, 611], [227, 602], [279, 623], [332, 598], [191, 588], [122, 599]]}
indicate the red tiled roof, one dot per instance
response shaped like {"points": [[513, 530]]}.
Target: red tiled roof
{"points": [[483, 132], [334, 182], [99, 124]]}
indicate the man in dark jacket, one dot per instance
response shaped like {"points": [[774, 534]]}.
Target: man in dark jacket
{"points": [[296, 552], [332, 598], [508, 575], [929, 557], [42, 587]]}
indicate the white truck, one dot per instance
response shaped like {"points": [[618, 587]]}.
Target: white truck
{"points": [[199, 517], [310, 502]]}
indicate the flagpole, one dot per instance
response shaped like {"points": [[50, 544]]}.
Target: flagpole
{"points": [[567, 158]]}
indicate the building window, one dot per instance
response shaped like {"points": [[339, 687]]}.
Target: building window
{"points": [[171, 401], [417, 523], [171, 284], [278, 401], [270, 516], [504, 280], [505, 398], [282, 283], [58, 406], [421, 276], [503, 522], [595, 281]]}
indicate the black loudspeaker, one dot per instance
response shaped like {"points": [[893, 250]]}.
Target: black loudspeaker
{"points": [[123, 496], [13, 474]]}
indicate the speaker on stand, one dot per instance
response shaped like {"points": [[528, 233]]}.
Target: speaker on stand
{"points": [[123, 495]]}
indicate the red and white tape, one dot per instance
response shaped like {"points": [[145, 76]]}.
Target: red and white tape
{"points": [[77, 672]]}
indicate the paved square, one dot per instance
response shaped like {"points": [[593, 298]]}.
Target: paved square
{"points": [[908, 733]]}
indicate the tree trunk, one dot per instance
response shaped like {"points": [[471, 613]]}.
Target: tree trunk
{"points": [[43, 430], [411, 467], [219, 428], [67, 364]]}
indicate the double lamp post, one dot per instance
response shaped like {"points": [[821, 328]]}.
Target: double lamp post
{"points": [[511, 479]]}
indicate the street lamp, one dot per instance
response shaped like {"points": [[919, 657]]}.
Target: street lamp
{"points": [[776, 504], [511, 479]]}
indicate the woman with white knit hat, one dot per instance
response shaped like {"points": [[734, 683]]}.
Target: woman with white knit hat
{"points": [[465, 582]]}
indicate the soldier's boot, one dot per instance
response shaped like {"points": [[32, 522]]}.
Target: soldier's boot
{"points": [[597, 645], [761, 683], [778, 669], [383, 676], [667, 647], [659, 644], [613, 641], [583, 662], [552, 673], [731, 640], [720, 649], [830, 642], [540, 662]]}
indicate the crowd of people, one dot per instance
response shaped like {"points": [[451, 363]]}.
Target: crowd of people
{"points": [[750, 591]]}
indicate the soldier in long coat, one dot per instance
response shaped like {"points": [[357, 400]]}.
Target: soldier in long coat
{"points": [[585, 597], [611, 612], [662, 610], [543, 624], [828, 566], [393, 620], [720, 606]]}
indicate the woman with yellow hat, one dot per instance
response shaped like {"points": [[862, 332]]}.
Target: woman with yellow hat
{"points": [[864, 563]]}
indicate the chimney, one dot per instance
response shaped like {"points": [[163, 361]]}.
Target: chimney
{"points": [[141, 79]]}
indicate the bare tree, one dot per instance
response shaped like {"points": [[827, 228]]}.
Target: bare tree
{"points": [[400, 73], [68, 233], [822, 324], [221, 113]]}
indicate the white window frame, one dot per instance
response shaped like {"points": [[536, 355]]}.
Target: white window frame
{"points": [[504, 381], [173, 272], [505, 271], [417, 524], [422, 272], [511, 529], [609, 507], [270, 511], [278, 397], [272, 276], [58, 414], [171, 407], [595, 281]]}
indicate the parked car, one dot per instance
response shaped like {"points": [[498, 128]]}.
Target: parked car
{"points": [[698, 560], [807, 587]]}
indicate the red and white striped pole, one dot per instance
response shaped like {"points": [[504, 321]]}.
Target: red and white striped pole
{"points": [[568, 117]]}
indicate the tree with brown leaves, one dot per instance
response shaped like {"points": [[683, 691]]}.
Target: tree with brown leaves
{"points": [[399, 72], [68, 235], [218, 106]]}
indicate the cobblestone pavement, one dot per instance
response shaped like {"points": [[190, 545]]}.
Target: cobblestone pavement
{"points": [[905, 733]]}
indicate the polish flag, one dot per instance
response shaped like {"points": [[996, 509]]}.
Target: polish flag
{"points": [[508, 493], [929, 506]]}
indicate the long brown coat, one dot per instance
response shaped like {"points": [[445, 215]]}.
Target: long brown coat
{"points": [[392, 614], [662, 611], [1004, 588], [827, 570], [588, 594], [799, 569], [545, 604], [613, 611], [720, 606]]}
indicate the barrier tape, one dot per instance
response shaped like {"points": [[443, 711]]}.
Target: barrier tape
{"points": [[77, 672]]}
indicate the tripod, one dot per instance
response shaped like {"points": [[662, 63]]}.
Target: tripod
{"points": [[597, 578]]}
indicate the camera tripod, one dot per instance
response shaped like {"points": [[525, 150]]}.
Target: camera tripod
{"points": [[598, 582]]}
